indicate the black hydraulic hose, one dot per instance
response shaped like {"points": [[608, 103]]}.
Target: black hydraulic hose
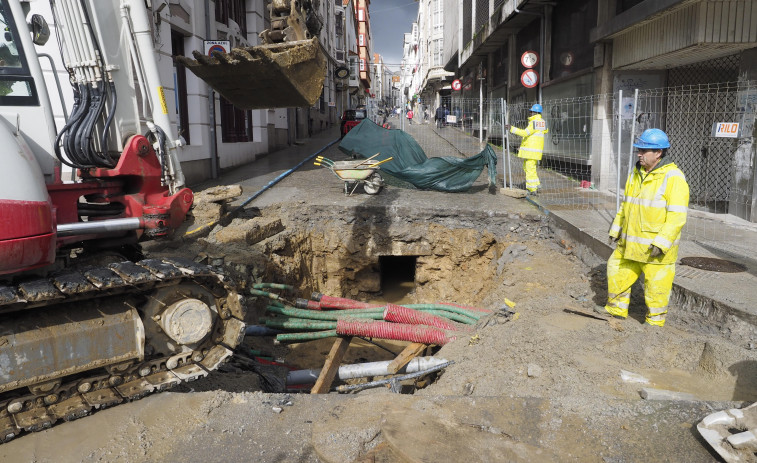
{"points": [[84, 137], [109, 120], [102, 158], [74, 115], [72, 147], [87, 146]]}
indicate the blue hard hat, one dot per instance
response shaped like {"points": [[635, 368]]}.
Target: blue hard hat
{"points": [[654, 139], [536, 108]]}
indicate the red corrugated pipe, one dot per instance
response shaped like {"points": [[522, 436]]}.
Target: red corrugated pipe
{"points": [[396, 331], [399, 314], [306, 304], [341, 303]]}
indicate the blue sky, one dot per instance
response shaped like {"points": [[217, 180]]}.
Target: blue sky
{"points": [[390, 19]]}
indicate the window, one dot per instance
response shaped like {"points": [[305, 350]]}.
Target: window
{"points": [[571, 44], [361, 40], [353, 68], [180, 86], [339, 25], [361, 15], [16, 84], [362, 64], [236, 124], [438, 16], [438, 52], [232, 9]]}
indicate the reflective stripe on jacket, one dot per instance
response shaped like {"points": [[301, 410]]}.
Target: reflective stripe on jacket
{"points": [[533, 139], [653, 213]]}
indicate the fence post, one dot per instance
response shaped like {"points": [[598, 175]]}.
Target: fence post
{"points": [[620, 122], [505, 143], [480, 108], [633, 131]]}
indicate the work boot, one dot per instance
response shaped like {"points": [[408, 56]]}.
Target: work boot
{"points": [[601, 310]]}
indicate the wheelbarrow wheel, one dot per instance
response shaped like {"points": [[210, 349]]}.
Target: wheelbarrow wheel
{"points": [[373, 184]]}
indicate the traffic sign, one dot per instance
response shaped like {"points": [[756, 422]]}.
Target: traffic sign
{"points": [[529, 59], [529, 78], [456, 85], [216, 45]]}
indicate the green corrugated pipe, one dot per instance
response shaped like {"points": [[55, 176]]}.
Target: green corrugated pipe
{"points": [[375, 314], [450, 315], [300, 324], [257, 292], [448, 308], [273, 286], [316, 315], [298, 337]]}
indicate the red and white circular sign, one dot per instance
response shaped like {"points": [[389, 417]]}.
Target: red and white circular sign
{"points": [[529, 78], [456, 85], [529, 59]]}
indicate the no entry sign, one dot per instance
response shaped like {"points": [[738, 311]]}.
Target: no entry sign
{"points": [[529, 78]]}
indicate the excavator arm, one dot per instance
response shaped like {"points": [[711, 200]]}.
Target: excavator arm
{"points": [[287, 70]]}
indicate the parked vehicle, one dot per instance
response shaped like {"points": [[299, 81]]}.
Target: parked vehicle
{"points": [[350, 119]]}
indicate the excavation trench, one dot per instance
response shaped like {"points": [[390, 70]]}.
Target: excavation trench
{"points": [[409, 256]]}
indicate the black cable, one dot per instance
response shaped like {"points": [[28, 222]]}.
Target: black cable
{"points": [[74, 115], [109, 120], [70, 143]]}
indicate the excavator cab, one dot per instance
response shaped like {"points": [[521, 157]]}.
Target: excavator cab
{"points": [[287, 70]]}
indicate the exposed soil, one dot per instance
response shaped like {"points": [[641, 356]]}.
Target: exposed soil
{"points": [[537, 382]]}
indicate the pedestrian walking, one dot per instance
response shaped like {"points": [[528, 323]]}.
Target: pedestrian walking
{"points": [[439, 116], [647, 229], [532, 147], [410, 116]]}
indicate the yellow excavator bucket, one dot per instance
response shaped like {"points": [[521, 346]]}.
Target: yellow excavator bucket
{"points": [[279, 75]]}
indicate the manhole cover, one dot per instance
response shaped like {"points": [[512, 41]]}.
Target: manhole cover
{"points": [[713, 265]]}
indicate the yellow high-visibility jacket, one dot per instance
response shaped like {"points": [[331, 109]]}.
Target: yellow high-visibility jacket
{"points": [[532, 146], [653, 213]]}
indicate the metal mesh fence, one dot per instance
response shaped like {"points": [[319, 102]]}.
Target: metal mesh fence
{"points": [[588, 151]]}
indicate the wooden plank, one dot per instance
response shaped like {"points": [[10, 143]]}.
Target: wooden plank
{"points": [[331, 367], [410, 352]]}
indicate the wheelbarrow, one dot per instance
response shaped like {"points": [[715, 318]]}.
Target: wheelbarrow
{"points": [[354, 173]]}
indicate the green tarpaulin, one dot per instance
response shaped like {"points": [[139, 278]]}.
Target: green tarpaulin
{"points": [[411, 164]]}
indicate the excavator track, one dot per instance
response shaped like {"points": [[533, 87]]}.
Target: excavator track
{"points": [[124, 295]]}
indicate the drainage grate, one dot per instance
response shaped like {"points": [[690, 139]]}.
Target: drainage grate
{"points": [[713, 265]]}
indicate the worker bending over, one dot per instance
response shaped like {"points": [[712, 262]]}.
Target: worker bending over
{"points": [[647, 229]]}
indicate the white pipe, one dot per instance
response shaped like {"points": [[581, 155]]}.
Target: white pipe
{"points": [[74, 44], [620, 122], [362, 370]]}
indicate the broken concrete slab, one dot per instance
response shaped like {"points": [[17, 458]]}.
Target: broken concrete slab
{"points": [[218, 193]]}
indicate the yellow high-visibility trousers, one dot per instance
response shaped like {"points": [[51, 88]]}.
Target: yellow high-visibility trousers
{"points": [[658, 282], [532, 179]]}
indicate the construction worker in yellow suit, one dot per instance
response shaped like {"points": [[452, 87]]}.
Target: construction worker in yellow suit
{"points": [[647, 229], [532, 147]]}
